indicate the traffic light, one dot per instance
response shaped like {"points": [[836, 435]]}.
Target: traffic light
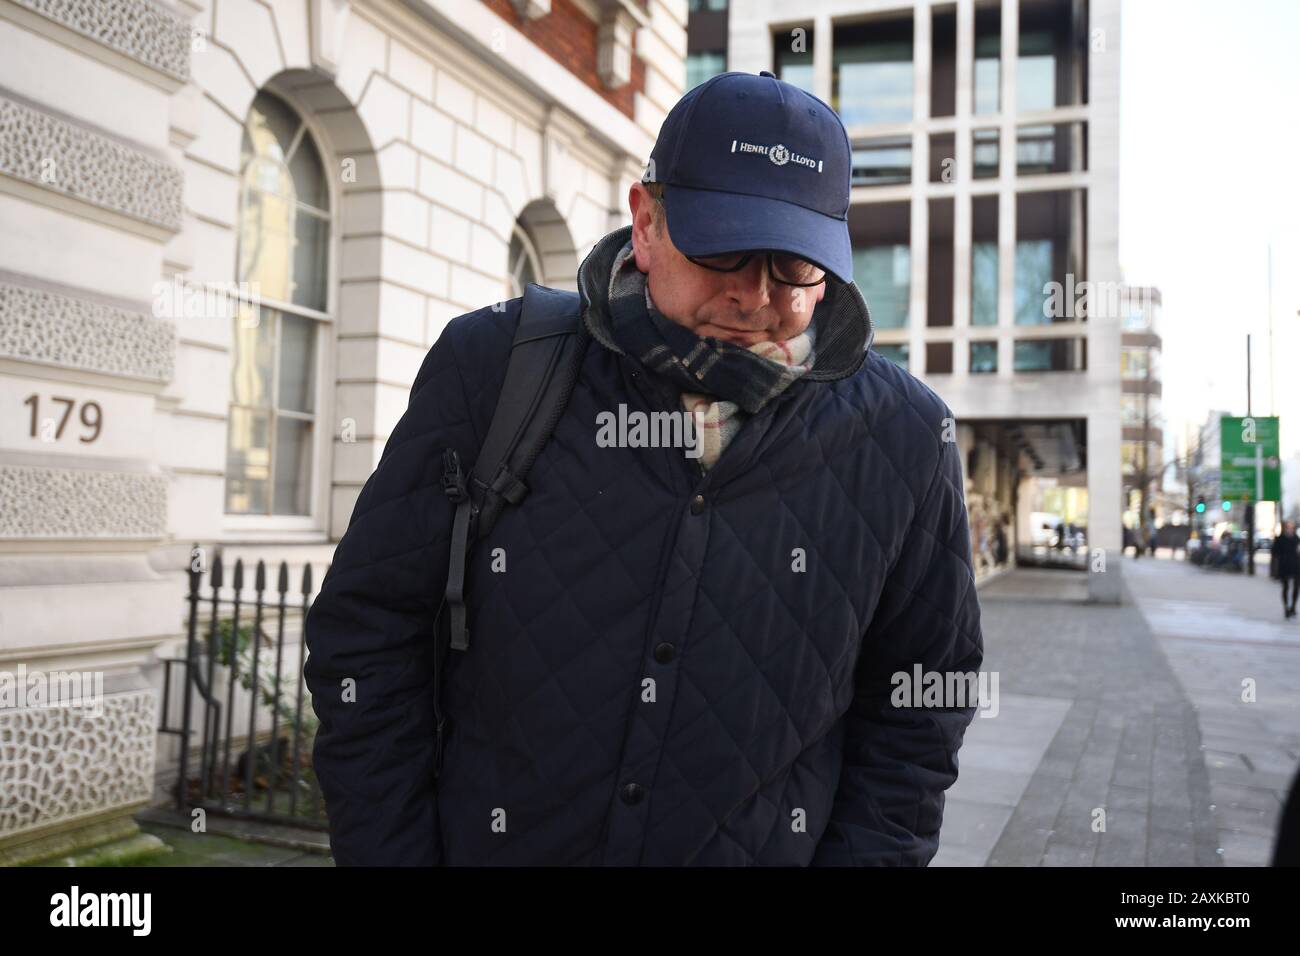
{"points": [[1200, 506], [1227, 505]]}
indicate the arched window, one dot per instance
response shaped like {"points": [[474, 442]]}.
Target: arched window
{"points": [[282, 271], [525, 265]]}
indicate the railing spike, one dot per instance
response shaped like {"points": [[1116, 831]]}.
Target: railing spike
{"points": [[283, 583], [259, 581], [306, 579]]}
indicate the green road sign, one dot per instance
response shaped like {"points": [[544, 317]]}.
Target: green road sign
{"points": [[1250, 460]]}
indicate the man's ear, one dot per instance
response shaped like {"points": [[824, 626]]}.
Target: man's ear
{"points": [[642, 203]]}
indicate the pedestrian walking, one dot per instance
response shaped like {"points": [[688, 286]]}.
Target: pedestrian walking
{"points": [[659, 653], [1000, 541], [1284, 564]]}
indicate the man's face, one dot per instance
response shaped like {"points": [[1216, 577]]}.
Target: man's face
{"points": [[744, 307], [1289, 527]]}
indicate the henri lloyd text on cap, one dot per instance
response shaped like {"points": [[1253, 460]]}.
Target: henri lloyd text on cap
{"points": [[778, 154]]}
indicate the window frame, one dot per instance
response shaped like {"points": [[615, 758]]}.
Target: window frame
{"points": [[530, 253], [313, 526]]}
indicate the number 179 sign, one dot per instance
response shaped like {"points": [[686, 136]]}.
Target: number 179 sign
{"points": [[1250, 467]]}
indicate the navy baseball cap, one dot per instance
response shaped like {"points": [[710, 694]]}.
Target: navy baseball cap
{"points": [[752, 162]]}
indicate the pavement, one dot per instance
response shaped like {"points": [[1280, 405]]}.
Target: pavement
{"points": [[226, 841], [1239, 661], [1121, 737]]}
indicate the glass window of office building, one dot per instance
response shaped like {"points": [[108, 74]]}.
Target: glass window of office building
{"points": [[983, 358], [872, 72], [984, 283], [1036, 72], [1033, 273], [1049, 355], [884, 274], [702, 65], [792, 56], [988, 64], [1133, 363]]}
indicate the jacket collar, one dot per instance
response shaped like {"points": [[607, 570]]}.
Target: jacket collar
{"points": [[841, 320]]}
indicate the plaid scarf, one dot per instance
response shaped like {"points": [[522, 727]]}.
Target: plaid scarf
{"points": [[719, 382]]}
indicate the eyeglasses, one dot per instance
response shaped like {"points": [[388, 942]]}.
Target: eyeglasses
{"points": [[782, 267]]}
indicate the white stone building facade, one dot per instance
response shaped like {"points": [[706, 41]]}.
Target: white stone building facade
{"points": [[231, 230]]}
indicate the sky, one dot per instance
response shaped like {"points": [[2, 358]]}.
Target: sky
{"points": [[1209, 175]]}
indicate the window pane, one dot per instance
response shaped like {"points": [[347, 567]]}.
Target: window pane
{"points": [[884, 274], [309, 256], [292, 466], [265, 240], [309, 175], [1033, 273], [988, 66], [984, 153], [252, 352], [872, 67], [269, 175], [701, 66], [983, 357], [1035, 73], [248, 461], [880, 161], [984, 283], [1045, 355], [794, 66], [271, 125], [297, 363], [1133, 363], [1033, 356], [1051, 231], [988, 80]]}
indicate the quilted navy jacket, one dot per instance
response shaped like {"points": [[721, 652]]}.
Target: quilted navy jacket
{"points": [[672, 667]]}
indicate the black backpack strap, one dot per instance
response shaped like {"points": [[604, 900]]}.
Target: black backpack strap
{"points": [[544, 360]]}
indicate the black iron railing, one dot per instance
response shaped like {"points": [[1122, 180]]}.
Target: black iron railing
{"points": [[250, 701]]}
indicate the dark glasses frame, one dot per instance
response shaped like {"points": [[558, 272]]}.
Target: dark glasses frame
{"points": [[771, 269]]}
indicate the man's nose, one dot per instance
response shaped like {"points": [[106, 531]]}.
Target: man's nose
{"points": [[750, 287]]}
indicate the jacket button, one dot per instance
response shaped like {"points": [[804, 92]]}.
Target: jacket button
{"points": [[697, 504], [665, 652], [632, 793]]}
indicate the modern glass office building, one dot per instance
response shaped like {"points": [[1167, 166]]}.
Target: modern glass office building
{"points": [[984, 220]]}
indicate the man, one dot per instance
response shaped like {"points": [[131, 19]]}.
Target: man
{"points": [[1285, 561], [702, 655]]}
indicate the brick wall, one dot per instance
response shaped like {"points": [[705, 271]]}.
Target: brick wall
{"points": [[568, 36]]}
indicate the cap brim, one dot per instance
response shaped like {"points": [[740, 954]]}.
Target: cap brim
{"points": [[705, 222]]}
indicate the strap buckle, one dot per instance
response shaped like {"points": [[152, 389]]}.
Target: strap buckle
{"points": [[508, 486], [453, 477]]}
